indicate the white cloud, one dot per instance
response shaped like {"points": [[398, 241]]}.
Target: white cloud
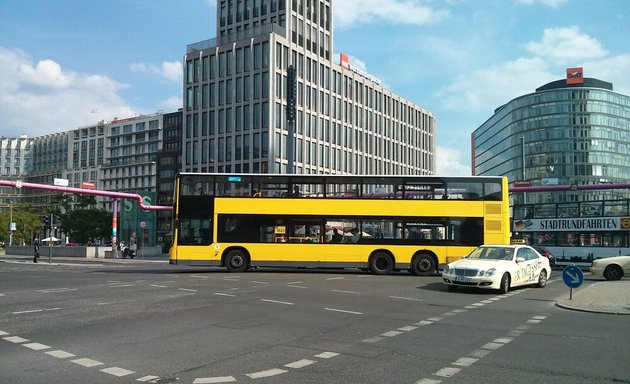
{"points": [[173, 103], [41, 98], [169, 70], [565, 44], [491, 87], [549, 3], [448, 163], [349, 12]]}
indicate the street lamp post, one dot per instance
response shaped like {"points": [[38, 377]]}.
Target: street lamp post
{"points": [[523, 166], [10, 223]]}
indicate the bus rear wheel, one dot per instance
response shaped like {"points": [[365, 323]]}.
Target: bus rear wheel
{"points": [[381, 263], [236, 260], [423, 265]]}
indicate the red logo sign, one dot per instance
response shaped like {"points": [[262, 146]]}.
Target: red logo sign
{"points": [[88, 185], [344, 61], [575, 76]]}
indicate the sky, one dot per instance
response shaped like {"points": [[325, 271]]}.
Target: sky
{"points": [[71, 63]]}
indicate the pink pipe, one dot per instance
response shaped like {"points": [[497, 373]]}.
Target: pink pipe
{"points": [[121, 195], [575, 187]]}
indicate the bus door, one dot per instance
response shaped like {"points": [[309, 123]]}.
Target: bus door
{"points": [[194, 228]]}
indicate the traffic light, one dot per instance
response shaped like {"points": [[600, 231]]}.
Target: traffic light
{"points": [[45, 220]]}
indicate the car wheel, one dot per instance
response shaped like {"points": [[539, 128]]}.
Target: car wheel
{"points": [[505, 283], [236, 261], [381, 263], [613, 272], [542, 279], [452, 288], [423, 265]]}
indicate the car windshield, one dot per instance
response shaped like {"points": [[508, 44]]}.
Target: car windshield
{"points": [[492, 253]]}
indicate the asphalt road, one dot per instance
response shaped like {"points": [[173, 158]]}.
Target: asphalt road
{"points": [[151, 322]]}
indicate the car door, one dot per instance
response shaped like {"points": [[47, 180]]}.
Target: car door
{"points": [[529, 268]]}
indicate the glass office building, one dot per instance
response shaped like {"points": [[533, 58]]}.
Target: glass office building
{"points": [[568, 131]]}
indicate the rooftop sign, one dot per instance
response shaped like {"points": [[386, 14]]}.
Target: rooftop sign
{"points": [[575, 76], [345, 63]]}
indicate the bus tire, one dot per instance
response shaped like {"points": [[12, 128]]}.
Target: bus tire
{"points": [[236, 260], [381, 263], [423, 265]]}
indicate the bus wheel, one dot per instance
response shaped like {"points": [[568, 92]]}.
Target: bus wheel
{"points": [[236, 261], [381, 263], [423, 265]]}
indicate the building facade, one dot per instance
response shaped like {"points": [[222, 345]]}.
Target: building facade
{"points": [[15, 155], [235, 100], [574, 131]]}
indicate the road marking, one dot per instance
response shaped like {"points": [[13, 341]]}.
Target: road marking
{"points": [[224, 294], [300, 363], [480, 353], [188, 290], [2, 333], [334, 278], [277, 302], [428, 381], [408, 328], [327, 355], [424, 322], [56, 290], [36, 346], [15, 339], [87, 362], [148, 378], [157, 286], [60, 354], [405, 298], [120, 286], [200, 277], [267, 373], [343, 311], [116, 371], [214, 380], [2, 294], [391, 333], [504, 340], [295, 286], [374, 339], [36, 310], [447, 372], [352, 292], [492, 346], [260, 282], [465, 361]]}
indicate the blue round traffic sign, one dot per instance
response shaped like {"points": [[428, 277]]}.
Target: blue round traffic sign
{"points": [[572, 276]]}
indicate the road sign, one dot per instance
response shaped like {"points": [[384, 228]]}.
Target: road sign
{"points": [[143, 224], [572, 276]]}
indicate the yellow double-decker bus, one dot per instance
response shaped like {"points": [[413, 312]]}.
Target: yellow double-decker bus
{"points": [[378, 223]]}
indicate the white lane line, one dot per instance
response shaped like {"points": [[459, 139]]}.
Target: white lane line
{"points": [[294, 282], [447, 372], [296, 286], [36, 310], [224, 294], [405, 298], [479, 353], [56, 290], [424, 322], [15, 339], [188, 290], [2, 294], [300, 363], [260, 282], [36, 346], [148, 378], [120, 286], [116, 371], [157, 286], [351, 292], [214, 380], [200, 276], [277, 302], [477, 305], [434, 319], [408, 328], [267, 373], [374, 339], [532, 321], [334, 278], [326, 355], [428, 381], [539, 317], [343, 311], [87, 362], [391, 334], [492, 346], [503, 340], [465, 361], [60, 354], [2, 333]]}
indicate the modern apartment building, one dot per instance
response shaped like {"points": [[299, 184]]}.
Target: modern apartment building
{"points": [[235, 100], [15, 153]]}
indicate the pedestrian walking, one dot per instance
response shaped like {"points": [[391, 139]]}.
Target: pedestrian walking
{"points": [[36, 250]]}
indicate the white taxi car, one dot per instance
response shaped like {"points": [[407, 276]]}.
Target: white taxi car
{"points": [[611, 268], [498, 267]]}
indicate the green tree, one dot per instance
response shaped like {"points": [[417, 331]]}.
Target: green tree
{"points": [[84, 225], [27, 225]]}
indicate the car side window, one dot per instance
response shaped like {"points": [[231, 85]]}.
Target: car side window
{"points": [[525, 254]]}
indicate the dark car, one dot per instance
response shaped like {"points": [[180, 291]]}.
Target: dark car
{"points": [[545, 252]]}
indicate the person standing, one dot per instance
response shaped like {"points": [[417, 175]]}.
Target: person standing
{"points": [[35, 250]]}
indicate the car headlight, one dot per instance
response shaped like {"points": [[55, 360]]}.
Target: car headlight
{"points": [[446, 269], [488, 273]]}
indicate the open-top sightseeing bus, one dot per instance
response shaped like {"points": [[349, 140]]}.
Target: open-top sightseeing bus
{"points": [[378, 223]]}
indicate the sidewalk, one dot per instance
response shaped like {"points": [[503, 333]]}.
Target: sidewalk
{"points": [[599, 296], [82, 260]]}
